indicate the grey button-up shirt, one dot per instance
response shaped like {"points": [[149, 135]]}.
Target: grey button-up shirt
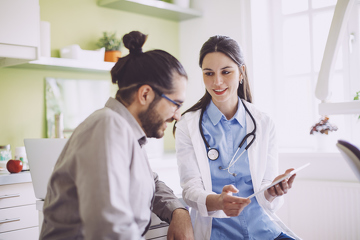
{"points": [[102, 186]]}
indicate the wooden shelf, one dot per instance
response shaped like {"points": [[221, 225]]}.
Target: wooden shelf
{"points": [[68, 65], [154, 8]]}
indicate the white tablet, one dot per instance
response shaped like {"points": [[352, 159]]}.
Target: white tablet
{"points": [[281, 179]]}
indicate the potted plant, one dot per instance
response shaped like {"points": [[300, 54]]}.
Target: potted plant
{"points": [[112, 46]]}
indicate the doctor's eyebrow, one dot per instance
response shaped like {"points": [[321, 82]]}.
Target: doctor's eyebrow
{"points": [[226, 67], [209, 69]]}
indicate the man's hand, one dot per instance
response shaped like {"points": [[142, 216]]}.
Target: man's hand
{"points": [[180, 227]]}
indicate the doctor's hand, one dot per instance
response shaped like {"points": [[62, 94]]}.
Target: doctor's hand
{"points": [[231, 205], [281, 188], [180, 227]]}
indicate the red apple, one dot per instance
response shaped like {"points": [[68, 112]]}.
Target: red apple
{"points": [[14, 166]]}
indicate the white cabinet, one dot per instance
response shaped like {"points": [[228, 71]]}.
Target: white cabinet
{"points": [[18, 215], [20, 31], [28, 233]]}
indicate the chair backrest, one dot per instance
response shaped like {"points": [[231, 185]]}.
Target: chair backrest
{"points": [[351, 154], [42, 154]]}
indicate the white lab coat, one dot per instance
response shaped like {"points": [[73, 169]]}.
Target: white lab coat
{"points": [[195, 176]]}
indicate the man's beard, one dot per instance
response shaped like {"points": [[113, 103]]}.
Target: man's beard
{"points": [[151, 122]]}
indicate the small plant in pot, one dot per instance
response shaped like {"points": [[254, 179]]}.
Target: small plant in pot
{"points": [[112, 46]]}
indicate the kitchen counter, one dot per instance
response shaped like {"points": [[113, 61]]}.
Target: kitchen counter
{"points": [[13, 178]]}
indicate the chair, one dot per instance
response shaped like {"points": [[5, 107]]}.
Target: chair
{"points": [[351, 154]]}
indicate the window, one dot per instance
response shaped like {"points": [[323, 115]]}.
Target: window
{"points": [[298, 34]]}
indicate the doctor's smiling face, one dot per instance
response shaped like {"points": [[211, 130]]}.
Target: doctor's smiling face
{"points": [[222, 78], [164, 109]]}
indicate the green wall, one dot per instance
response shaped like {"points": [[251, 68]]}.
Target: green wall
{"points": [[72, 22]]}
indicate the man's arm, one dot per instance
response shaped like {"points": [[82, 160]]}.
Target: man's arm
{"points": [[169, 208], [165, 202], [180, 227]]}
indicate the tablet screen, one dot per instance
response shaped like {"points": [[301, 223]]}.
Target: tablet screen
{"points": [[279, 180]]}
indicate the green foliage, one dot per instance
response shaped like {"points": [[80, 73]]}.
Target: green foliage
{"points": [[357, 97], [109, 41]]}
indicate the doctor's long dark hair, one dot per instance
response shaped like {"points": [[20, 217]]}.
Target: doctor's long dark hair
{"points": [[230, 48], [155, 68]]}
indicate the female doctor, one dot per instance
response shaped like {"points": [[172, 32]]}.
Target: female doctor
{"points": [[226, 150]]}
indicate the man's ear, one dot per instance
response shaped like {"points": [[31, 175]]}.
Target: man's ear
{"points": [[145, 95]]}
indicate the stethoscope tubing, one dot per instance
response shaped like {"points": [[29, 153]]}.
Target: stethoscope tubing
{"points": [[232, 162]]}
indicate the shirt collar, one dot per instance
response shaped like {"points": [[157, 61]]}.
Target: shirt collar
{"points": [[118, 107], [215, 114]]}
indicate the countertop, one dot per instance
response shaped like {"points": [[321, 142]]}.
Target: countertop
{"points": [[13, 178]]}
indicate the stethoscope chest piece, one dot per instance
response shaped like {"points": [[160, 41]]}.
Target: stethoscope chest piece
{"points": [[213, 154]]}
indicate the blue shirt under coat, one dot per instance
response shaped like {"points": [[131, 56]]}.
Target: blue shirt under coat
{"points": [[226, 135]]}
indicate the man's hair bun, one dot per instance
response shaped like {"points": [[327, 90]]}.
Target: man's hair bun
{"points": [[134, 41], [155, 68]]}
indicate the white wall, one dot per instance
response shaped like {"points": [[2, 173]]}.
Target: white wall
{"points": [[235, 19], [263, 67], [324, 199], [219, 18]]}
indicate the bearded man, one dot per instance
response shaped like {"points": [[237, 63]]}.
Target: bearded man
{"points": [[102, 186]]}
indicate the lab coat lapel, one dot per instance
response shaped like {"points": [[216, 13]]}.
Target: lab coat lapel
{"points": [[199, 149]]}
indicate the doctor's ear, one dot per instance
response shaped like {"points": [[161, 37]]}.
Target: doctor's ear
{"points": [[145, 95], [242, 68]]}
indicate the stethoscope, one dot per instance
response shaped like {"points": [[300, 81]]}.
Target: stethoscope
{"points": [[213, 153]]}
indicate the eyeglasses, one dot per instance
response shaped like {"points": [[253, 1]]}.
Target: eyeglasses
{"points": [[178, 105]]}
